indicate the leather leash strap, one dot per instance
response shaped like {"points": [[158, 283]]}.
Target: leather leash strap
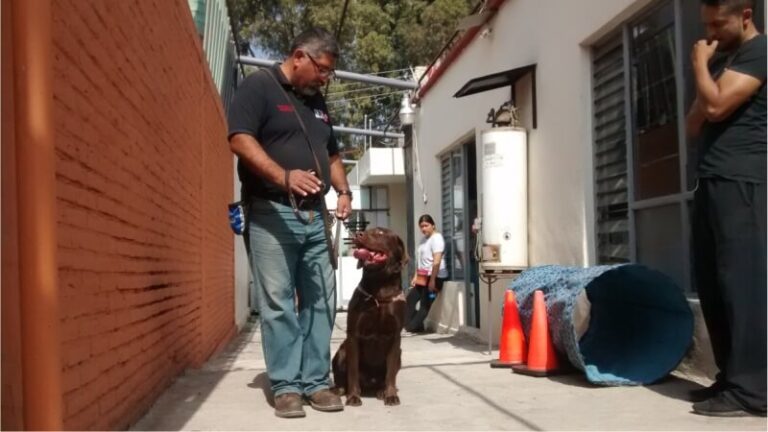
{"points": [[332, 246]]}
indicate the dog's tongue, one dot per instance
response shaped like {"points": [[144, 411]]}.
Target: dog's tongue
{"points": [[362, 254], [368, 256]]}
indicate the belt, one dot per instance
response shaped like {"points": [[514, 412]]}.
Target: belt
{"points": [[308, 203]]}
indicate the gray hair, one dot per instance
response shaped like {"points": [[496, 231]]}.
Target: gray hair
{"points": [[316, 41]]}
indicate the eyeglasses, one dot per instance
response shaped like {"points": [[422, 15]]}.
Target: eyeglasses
{"points": [[325, 72]]}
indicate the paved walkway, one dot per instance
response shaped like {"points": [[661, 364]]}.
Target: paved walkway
{"points": [[445, 384]]}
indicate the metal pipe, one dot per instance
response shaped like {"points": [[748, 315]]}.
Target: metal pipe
{"points": [[369, 126], [367, 132], [36, 186], [344, 75]]}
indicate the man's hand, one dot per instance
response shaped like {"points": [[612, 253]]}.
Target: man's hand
{"points": [[703, 51], [302, 182], [343, 207]]}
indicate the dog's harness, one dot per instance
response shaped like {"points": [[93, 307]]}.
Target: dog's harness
{"points": [[399, 297]]}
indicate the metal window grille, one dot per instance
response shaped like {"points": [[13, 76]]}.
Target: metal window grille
{"points": [[610, 152], [446, 201]]}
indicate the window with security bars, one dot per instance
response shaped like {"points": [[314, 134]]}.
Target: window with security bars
{"points": [[642, 87], [610, 152], [452, 208], [654, 93], [374, 204]]}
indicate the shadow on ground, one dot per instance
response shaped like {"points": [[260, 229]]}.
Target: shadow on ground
{"points": [[670, 386], [460, 341], [261, 382], [487, 400], [675, 387], [190, 394]]}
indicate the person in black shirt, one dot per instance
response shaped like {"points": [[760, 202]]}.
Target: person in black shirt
{"points": [[283, 185], [728, 117]]}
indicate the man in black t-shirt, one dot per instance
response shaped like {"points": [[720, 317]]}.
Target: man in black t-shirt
{"points": [[729, 219], [284, 184]]}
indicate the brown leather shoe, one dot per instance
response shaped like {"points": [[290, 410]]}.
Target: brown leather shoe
{"points": [[325, 400], [289, 405]]}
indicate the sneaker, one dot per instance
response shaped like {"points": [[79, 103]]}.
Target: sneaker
{"points": [[326, 401], [719, 406], [289, 405], [705, 393]]}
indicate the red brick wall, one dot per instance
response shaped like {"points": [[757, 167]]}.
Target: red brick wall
{"points": [[144, 175], [11, 414]]}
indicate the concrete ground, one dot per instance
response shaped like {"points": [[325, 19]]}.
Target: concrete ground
{"points": [[445, 384]]}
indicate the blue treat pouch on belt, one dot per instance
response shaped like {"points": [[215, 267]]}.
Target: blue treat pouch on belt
{"points": [[237, 217]]}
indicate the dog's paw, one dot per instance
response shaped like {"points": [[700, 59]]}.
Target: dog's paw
{"points": [[353, 400], [392, 400], [380, 394]]}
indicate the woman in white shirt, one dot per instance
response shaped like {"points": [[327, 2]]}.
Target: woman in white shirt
{"points": [[430, 275]]}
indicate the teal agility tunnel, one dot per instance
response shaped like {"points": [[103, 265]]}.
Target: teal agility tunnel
{"points": [[622, 325]]}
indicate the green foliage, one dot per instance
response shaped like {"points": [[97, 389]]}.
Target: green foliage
{"points": [[378, 36]]}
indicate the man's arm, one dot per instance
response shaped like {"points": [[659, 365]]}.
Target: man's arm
{"points": [[719, 99], [258, 161], [694, 120], [339, 182]]}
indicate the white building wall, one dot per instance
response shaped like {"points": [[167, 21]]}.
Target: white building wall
{"points": [[398, 198], [555, 35], [242, 271]]}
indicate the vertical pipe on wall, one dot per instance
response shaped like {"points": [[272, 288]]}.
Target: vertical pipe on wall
{"points": [[630, 137], [38, 272], [682, 143]]}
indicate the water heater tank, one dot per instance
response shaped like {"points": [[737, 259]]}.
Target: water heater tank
{"points": [[505, 197]]}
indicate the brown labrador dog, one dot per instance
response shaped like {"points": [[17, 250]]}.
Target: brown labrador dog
{"points": [[369, 358]]}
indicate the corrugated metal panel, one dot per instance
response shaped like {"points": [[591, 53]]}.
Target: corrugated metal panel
{"points": [[198, 14], [212, 22], [610, 149], [446, 208]]}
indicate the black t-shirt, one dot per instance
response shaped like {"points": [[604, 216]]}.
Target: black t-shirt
{"points": [[261, 110], [735, 148]]}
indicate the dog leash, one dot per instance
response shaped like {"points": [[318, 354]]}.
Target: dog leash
{"points": [[399, 297], [367, 296], [332, 248]]}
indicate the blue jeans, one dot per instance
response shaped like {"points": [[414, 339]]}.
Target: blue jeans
{"points": [[289, 258]]}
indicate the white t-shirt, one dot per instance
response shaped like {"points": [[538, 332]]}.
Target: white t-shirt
{"points": [[427, 248]]}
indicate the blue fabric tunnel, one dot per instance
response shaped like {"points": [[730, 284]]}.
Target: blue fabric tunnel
{"points": [[622, 325]]}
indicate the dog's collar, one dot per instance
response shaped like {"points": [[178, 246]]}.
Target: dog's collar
{"points": [[399, 297]]}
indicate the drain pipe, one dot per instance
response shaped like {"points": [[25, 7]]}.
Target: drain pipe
{"points": [[36, 183]]}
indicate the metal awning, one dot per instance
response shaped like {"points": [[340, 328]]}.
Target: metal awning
{"points": [[502, 79]]}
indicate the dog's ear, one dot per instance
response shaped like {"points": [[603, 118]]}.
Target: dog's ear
{"points": [[403, 253], [397, 258]]}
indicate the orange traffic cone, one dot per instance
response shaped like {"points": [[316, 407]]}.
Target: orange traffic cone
{"points": [[542, 359], [512, 340]]}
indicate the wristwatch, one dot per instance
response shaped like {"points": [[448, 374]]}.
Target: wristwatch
{"points": [[345, 192]]}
